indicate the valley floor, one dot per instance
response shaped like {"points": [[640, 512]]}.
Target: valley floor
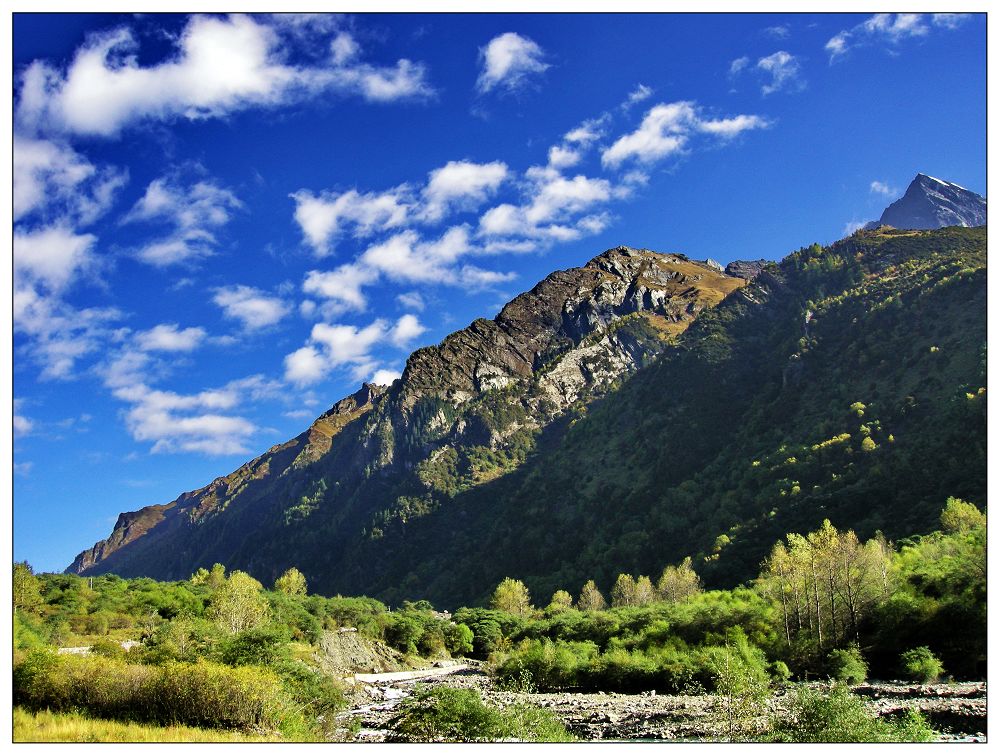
{"points": [[956, 710]]}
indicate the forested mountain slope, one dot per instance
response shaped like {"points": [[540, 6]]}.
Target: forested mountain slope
{"points": [[585, 432]]}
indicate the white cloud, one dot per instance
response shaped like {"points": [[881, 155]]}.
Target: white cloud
{"points": [[333, 346], [783, 69], [342, 285], [407, 328], [54, 181], [738, 65], [950, 20], [346, 344], [222, 65], [838, 44], [563, 157], [191, 210], [556, 197], [252, 307], [891, 29], [667, 129], [304, 366], [640, 93], [411, 300], [408, 257], [385, 377], [728, 128], [779, 32], [663, 132], [58, 334], [51, 257], [325, 217], [167, 337], [23, 468], [344, 49], [879, 187], [587, 132], [463, 184], [23, 425], [509, 60], [475, 279], [338, 346], [202, 422], [851, 226]]}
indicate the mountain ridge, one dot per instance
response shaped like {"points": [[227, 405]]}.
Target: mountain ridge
{"points": [[538, 329]]}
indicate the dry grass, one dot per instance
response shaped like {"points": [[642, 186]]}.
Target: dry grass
{"points": [[47, 727]]}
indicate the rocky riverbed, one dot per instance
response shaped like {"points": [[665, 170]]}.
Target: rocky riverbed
{"points": [[957, 710]]}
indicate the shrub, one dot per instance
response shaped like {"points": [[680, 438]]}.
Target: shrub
{"points": [[202, 694], [847, 665], [838, 716], [261, 646], [460, 715], [920, 665], [780, 673], [458, 639], [107, 648]]}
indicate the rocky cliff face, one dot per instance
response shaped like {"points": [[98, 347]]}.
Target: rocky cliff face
{"points": [[932, 203], [464, 412]]}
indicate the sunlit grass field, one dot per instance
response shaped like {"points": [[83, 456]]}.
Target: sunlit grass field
{"points": [[47, 727]]}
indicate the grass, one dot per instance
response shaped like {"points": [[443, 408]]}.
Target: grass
{"points": [[49, 727]]}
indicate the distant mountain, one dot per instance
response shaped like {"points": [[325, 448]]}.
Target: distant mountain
{"points": [[932, 203]]}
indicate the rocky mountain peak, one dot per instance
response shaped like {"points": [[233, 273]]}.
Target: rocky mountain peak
{"points": [[932, 203], [557, 314]]}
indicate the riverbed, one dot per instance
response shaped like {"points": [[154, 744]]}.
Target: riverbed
{"points": [[957, 710]]}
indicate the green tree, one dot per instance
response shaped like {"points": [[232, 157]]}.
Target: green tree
{"points": [[591, 599], [920, 665], [678, 582], [645, 593], [961, 517], [25, 589], [458, 639], [216, 577], [200, 576], [238, 604], [561, 601], [291, 582], [623, 593], [511, 596]]}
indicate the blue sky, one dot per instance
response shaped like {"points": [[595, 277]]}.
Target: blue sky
{"points": [[223, 224]]}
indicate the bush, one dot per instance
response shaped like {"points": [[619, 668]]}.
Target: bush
{"points": [[780, 673], [107, 648], [259, 646], [460, 715], [202, 694], [838, 716], [920, 665], [847, 665]]}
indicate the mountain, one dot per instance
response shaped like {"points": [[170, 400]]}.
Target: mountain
{"points": [[476, 400], [617, 418], [932, 203]]}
